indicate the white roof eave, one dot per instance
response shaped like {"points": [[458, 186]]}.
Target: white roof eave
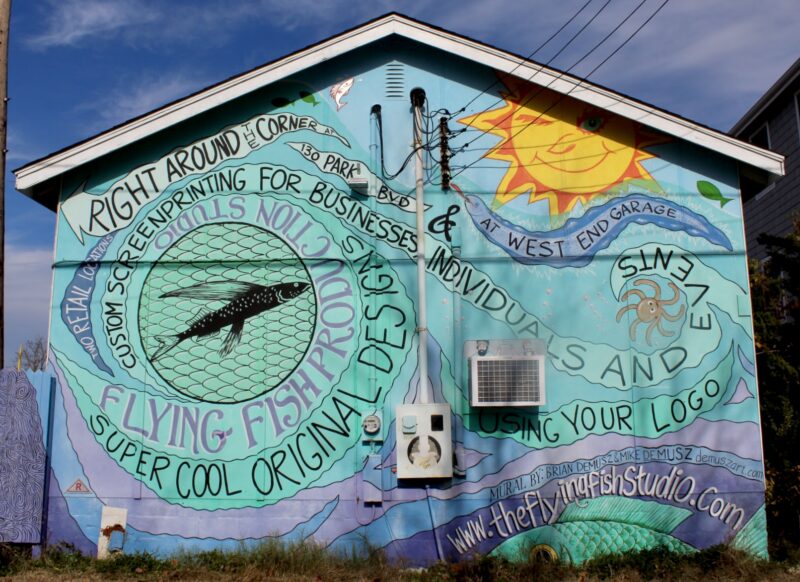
{"points": [[47, 168]]}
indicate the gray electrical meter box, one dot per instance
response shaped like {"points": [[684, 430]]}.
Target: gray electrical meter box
{"points": [[424, 441], [371, 426]]}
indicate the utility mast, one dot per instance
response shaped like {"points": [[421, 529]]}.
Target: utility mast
{"points": [[417, 102], [5, 21]]}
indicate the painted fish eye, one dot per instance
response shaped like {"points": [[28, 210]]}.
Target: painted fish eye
{"points": [[592, 123]]}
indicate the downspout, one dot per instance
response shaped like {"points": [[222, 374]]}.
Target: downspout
{"points": [[372, 192], [374, 115]]}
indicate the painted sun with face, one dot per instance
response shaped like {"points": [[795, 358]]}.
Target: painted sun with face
{"points": [[560, 149]]}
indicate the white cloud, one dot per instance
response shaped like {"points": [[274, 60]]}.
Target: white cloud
{"points": [[707, 60], [514, 26], [295, 14], [154, 24], [28, 277], [73, 22], [138, 95], [19, 150]]}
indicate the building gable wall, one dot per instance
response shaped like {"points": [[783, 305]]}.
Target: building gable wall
{"points": [[227, 309]]}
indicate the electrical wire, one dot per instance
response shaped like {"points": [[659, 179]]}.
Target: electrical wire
{"points": [[466, 148], [384, 174], [560, 75], [634, 33], [541, 89], [426, 145], [530, 56], [604, 61], [558, 53], [432, 142], [439, 551], [543, 163], [428, 117]]}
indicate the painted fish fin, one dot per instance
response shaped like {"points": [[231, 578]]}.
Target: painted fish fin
{"points": [[201, 313], [165, 344], [214, 290], [233, 338]]}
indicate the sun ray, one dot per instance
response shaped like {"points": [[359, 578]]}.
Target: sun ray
{"points": [[560, 149]]}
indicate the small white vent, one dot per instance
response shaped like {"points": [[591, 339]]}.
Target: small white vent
{"points": [[396, 81], [507, 380]]}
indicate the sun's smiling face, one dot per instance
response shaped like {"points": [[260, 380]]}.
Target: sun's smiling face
{"points": [[559, 148]]}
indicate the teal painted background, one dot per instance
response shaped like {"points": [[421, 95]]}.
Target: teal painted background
{"points": [[225, 310]]}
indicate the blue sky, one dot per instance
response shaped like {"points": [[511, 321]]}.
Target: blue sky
{"points": [[78, 67]]}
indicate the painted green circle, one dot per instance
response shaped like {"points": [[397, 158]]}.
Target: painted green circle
{"points": [[272, 342]]}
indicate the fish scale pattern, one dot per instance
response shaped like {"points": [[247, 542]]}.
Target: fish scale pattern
{"points": [[273, 342], [608, 537]]}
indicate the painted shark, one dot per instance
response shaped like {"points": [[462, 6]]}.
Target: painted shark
{"points": [[245, 300]]}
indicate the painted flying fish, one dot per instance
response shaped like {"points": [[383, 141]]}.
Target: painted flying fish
{"points": [[244, 300]]}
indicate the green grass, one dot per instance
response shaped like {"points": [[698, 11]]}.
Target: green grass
{"points": [[269, 560], [273, 560]]}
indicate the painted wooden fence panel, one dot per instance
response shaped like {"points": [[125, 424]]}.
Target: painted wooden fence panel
{"points": [[24, 411]]}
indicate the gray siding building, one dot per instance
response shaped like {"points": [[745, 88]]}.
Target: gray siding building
{"points": [[770, 204]]}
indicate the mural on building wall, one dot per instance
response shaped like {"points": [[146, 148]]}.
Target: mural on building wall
{"points": [[562, 150], [228, 311]]}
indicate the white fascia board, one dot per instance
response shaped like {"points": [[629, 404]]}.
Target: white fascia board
{"points": [[47, 168]]}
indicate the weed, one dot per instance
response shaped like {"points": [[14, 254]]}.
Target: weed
{"points": [[658, 562], [137, 563], [63, 557], [12, 556], [306, 560]]}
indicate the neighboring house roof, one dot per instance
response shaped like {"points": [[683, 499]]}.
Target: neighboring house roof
{"points": [[760, 106], [35, 175]]}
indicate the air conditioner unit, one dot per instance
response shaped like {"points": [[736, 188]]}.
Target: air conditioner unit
{"points": [[507, 373]]}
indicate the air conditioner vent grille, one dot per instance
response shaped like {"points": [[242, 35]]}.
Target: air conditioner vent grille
{"points": [[507, 381]]}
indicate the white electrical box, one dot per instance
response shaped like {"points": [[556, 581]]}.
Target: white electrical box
{"points": [[358, 184], [424, 441]]}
